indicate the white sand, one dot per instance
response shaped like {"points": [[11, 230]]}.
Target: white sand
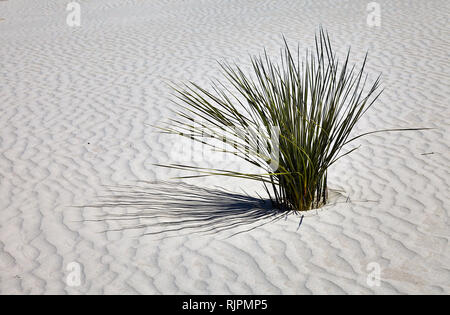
{"points": [[74, 109]]}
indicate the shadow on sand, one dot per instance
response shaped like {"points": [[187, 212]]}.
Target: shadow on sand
{"points": [[162, 208]]}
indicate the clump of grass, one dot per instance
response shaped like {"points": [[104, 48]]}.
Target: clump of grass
{"points": [[312, 104]]}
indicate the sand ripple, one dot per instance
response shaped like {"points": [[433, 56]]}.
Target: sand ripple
{"points": [[75, 109]]}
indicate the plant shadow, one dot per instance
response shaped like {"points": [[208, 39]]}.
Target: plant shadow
{"points": [[171, 209]]}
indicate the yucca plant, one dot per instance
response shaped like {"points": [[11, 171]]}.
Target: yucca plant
{"points": [[310, 104]]}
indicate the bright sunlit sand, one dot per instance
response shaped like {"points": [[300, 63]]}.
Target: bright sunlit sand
{"points": [[80, 195]]}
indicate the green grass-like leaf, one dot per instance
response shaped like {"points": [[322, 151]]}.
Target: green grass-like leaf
{"points": [[314, 103]]}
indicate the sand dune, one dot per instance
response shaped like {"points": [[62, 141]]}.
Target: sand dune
{"points": [[75, 108]]}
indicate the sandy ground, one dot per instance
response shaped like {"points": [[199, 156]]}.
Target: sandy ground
{"points": [[75, 108]]}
